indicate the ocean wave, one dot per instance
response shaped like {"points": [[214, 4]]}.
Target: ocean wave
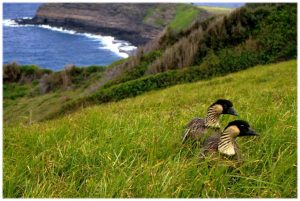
{"points": [[10, 23], [119, 47]]}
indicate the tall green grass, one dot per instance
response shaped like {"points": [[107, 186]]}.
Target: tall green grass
{"points": [[132, 148]]}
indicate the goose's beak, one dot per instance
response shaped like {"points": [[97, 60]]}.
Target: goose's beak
{"points": [[232, 111], [251, 132]]}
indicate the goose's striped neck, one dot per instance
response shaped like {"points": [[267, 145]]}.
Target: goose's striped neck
{"points": [[227, 140], [212, 118]]}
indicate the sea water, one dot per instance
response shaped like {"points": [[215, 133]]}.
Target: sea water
{"points": [[55, 47]]}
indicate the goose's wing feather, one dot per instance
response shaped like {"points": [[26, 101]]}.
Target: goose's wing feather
{"points": [[194, 129], [211, 144]]}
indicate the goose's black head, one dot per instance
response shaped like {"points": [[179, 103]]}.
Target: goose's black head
{"points": [[240, 128], [227, 106]]}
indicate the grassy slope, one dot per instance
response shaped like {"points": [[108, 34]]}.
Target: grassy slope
{"points": [[132, 148], [160, 16], [185, 14], [216, 10], [21, 107], [31, 109]]}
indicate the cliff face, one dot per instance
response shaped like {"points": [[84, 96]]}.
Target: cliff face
{"points": [[137, 23]]}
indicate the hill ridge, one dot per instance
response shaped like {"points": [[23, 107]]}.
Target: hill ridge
{"points": [[145, 21]]}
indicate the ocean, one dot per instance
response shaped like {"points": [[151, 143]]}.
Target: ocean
{"points": [[54, 47]]}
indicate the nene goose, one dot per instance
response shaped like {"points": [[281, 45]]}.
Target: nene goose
{"points": [[224, 142], [198, 128]]}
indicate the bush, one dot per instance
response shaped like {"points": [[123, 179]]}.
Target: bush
{"points": [[278, 34], [71, 76], [23, 74], [50, 82], [139, 65], [93, 69], [211, 62], [11, 72], [136, 87], [273, 26], [29, 69], [29, 73]]}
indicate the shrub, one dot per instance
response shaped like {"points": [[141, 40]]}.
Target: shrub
{"points": [[23, 74], [50, 82], [211, 62], [137, 69], [30, 73], [278, 34], [29, 69], [272, 26], [135, 87], [180, 55], [93, 69], [11, 72]]}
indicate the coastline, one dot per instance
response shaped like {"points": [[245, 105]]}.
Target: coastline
{"points": [[120, 47], [132, 37]]}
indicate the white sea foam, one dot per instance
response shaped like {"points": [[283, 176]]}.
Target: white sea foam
{"points": [[128, 48], [121, 48], [10, 23], [58, 29], [13, 23]]}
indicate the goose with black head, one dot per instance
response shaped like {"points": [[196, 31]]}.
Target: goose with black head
{"points": [[225, 142], [197, 128]]}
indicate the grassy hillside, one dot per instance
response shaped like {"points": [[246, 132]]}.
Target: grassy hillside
{"points": [[217, 10], [185, 15], [30, 109], [132, 148], [177, 16], [29, 95]]}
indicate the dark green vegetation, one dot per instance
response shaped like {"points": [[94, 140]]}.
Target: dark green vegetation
{"points": [[14, 91], [132, 148], [253, 34], [48, 80]]}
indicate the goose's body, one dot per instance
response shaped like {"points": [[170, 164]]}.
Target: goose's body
{"points": [[225, 142], [199, 128], [211, 146]]}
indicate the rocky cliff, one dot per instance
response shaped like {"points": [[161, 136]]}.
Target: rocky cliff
{"points": [[136, 23]]}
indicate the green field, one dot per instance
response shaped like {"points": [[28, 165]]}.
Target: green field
{"points": [[132, 148]]}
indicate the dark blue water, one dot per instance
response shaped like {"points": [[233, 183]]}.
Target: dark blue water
{"points": [[53, 49]]}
